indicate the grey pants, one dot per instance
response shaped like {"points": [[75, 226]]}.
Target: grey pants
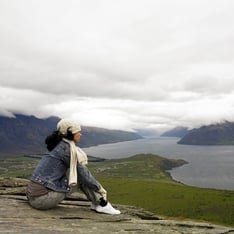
{"points": [[87, 183]]}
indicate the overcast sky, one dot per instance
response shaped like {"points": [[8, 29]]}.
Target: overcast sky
{"points": [[120, 64]]}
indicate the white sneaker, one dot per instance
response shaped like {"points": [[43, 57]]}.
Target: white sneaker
{"points": [[108, 209]]}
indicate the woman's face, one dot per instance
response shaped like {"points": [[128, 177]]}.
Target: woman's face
{"points": [[76, 137]]}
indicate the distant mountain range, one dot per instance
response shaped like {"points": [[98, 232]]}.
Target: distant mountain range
{"points": [[214, 134], [26, 134], [176, 132]]}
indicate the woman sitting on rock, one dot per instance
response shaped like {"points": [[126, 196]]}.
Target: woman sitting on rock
{"points": [[60, 168]]}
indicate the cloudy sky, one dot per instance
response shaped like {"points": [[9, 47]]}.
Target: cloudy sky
{"points": [[122, 64]]}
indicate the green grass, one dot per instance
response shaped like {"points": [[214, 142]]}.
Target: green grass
{"points": [[17, 166], [141, 166], [173, 200], [142, 181]]}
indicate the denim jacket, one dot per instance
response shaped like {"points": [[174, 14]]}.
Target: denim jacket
{"points": [[51, 169]]}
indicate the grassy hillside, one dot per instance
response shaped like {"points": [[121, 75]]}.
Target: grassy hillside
{"points": [[141, 166], [142, 181], [173, 200]]}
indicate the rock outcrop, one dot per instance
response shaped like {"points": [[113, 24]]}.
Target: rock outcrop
{"points": [[73, 215]]}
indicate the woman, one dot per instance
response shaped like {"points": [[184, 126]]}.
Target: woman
{"points": [[63, 166]]}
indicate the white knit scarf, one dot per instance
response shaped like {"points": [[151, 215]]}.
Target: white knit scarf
{"points": [[76, 155]]}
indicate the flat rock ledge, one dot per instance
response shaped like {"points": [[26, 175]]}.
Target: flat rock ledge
{"points": [[73, 215]]}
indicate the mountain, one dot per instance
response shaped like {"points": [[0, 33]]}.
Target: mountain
{"points": [[176, 132], [95, 136], [26, 134], [215, 134]]}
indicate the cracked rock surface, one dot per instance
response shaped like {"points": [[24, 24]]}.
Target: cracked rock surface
{"points": [[73, 215]]}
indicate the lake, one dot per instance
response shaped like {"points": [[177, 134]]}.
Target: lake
{"points": [[208, 166]]}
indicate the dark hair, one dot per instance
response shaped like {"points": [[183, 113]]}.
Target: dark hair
{"points": [[69, 135], [53, 139]]}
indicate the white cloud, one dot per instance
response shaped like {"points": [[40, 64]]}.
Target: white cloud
{"points": [[118, 64]]}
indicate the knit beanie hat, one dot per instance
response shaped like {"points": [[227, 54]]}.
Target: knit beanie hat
{"points": [[67, 124]]}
